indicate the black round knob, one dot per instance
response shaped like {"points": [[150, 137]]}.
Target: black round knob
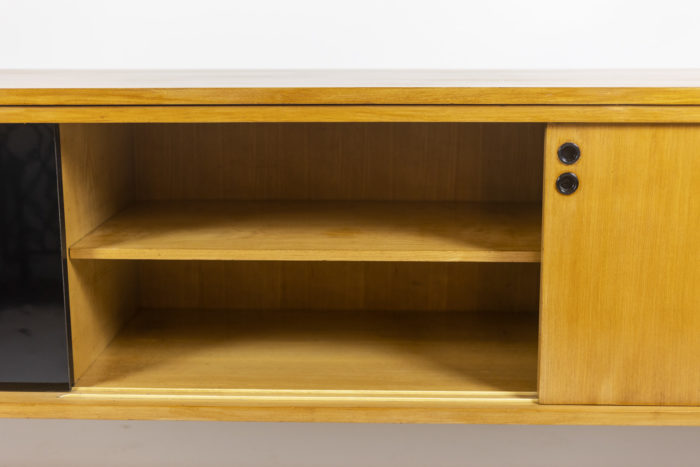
{"points": [[567, 183], [569, 153]]}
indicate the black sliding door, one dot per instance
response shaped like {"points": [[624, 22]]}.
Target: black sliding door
{"points": [[33, 321]]}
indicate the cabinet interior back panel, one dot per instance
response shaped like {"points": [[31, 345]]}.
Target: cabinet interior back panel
{"points": [[340, 161], [264, 285]]}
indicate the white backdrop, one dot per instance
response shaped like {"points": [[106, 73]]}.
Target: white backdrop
{"points": [[503, 34], [520, 34]]}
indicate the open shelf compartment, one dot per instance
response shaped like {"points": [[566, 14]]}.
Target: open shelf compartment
{"points": [[417, 354], [383, 263]]}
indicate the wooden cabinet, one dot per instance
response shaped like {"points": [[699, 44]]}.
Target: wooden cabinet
{"points": [[298, 251]]}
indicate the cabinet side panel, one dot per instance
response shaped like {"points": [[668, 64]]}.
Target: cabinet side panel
{"points": [[97, 170], [620, 301]]}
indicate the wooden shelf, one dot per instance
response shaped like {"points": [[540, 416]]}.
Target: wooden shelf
{"points": [[309, 353], [318, 231]]}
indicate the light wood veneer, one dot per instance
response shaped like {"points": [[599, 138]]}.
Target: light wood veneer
{"points": [[365, 246], [319, 231]]}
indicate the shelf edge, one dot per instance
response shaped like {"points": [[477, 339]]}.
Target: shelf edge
{"points": [[79, 253]]}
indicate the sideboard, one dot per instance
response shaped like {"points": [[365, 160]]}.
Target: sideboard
{"points": [[368, 246]]}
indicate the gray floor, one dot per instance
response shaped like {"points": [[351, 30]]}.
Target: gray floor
{"points": [[204, 444]]}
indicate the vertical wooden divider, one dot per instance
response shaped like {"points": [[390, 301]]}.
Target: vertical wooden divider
{"points": [[98, 173]]}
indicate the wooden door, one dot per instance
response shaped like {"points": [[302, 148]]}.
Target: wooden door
{"points": [[620, 300]]}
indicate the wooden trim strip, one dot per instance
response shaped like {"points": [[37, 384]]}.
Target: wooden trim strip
{"points": [[354, 96], [497, 411], [297, 397], [352, 113]]}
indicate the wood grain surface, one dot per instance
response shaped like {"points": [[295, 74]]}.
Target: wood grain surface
{"points": [[97, 177], [331, 286], [480, 409], [620, 313], [352, 113], [321, 350], [340, 161], [319, 231], [161, 87]]}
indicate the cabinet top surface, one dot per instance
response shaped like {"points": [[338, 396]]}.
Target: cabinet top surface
{"points": [[204, 87]]}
